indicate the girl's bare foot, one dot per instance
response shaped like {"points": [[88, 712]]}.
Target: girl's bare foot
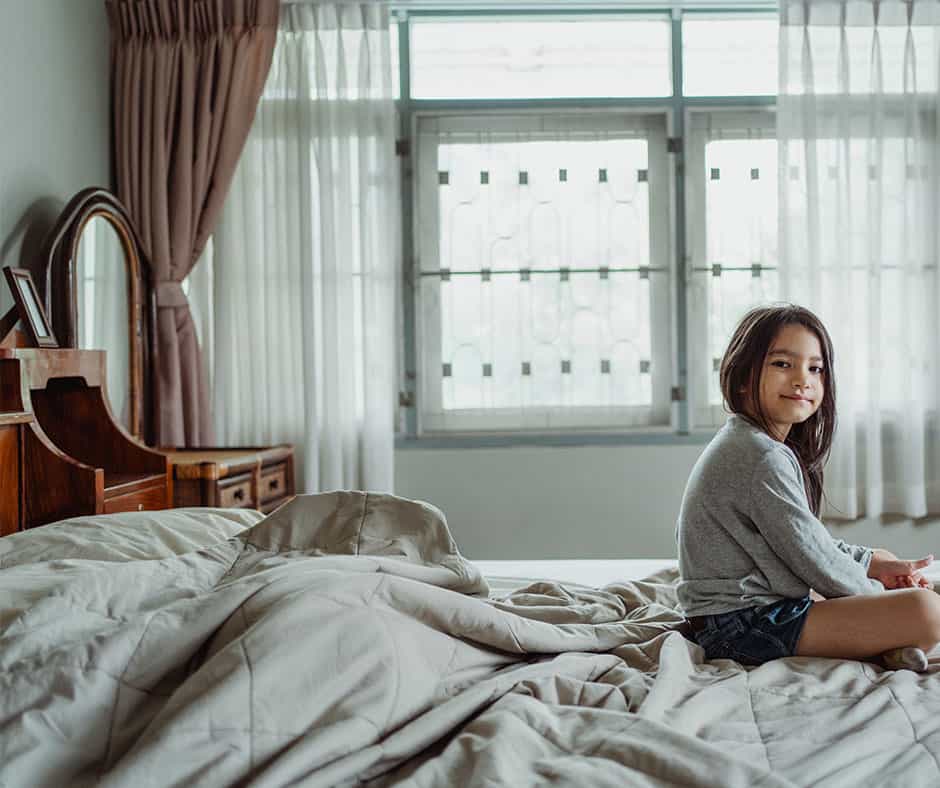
{"points": [[906, 658]]}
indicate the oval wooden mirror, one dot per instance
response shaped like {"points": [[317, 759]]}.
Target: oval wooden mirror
{"points": [[97, 294]]}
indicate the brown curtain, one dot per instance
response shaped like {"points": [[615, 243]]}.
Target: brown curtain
{"points": [[186, 78]]}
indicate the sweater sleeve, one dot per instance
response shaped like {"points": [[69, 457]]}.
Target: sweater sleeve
{"points": [[858, 552], [778, 510]]}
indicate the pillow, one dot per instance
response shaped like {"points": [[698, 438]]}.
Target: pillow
{"points": [[126, 536]]}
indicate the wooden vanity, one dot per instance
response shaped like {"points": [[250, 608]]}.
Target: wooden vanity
{"points": [[62, 454]]}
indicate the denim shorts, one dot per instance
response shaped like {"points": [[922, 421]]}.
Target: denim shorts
{"points": [[754, 635]]}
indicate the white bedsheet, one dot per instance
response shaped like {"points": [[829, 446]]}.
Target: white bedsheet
{"points": [[585, 571]]}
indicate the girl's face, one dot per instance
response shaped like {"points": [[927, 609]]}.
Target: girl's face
{"points": [[792, 379]]}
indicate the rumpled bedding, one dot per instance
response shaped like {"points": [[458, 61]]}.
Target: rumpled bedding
{"points": [[344, 640]]}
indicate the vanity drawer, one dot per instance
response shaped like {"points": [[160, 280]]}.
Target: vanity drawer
{"points": [[237, 492], [146, 499], [273, 482]]}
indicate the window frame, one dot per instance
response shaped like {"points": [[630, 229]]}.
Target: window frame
{"points": [[676, 109]]}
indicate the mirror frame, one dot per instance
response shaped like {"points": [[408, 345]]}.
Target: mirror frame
{"points": [[61, 294]]}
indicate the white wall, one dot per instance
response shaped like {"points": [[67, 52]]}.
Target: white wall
{"points": [[553, 502], [54, 117], [586, 502]]}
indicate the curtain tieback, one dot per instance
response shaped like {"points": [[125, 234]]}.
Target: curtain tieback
{"points": [[170, 294]]}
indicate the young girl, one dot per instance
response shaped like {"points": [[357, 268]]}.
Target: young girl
{"points": [[761, 577]]}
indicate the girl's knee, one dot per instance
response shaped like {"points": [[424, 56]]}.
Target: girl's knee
{"points": [[927, 610]]}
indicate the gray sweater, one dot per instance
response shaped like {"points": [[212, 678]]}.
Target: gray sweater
{"points": [[747, 536]]}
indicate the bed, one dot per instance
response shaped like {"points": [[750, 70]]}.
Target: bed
{"points": [[344, 640]]}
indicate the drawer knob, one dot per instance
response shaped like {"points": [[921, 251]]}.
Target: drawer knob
{"points": [[272, 485], [238, 494], [140, 507]]}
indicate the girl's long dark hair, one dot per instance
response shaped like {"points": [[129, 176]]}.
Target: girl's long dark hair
{"points": [[741, 369]]}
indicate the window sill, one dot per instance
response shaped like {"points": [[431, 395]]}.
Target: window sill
{"points": [[484, 440]]}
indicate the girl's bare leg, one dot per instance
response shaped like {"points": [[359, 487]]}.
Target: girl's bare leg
{"points": [[861, 627]]}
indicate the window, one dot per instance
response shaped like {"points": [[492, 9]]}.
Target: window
{"points": [[543, 242], [584, 234], [732, 193], [714, 48], [530, 57]]}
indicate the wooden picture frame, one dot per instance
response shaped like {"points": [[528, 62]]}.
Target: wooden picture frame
{"points": [[29, 307]]}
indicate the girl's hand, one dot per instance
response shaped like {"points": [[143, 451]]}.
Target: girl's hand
{"points": [[916, 580], [896, 573]]}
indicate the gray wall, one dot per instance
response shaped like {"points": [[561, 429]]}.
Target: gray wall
{"points": [[586, 502], [54, 105]]}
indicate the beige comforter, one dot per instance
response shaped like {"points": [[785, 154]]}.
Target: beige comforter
{"points": [[344, 639]]}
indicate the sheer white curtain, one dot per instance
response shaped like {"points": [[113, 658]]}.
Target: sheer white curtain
{"points": [[857, 125], [298, 306]]}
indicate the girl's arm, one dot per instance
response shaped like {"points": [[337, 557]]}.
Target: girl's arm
{"points": [[885, 566], [778, 509]]}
